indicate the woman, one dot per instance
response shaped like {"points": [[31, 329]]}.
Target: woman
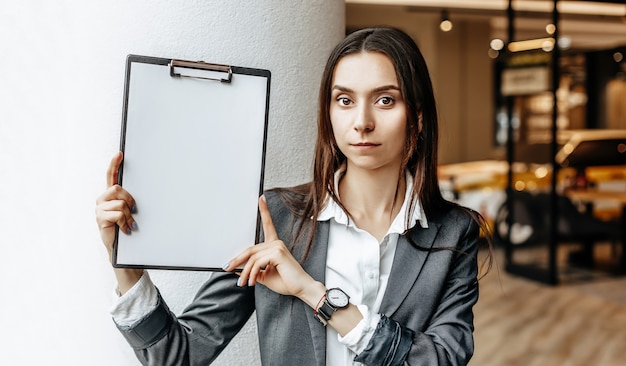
{"points": [[367, 264]]}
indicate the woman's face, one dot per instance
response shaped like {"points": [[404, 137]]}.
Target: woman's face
{"points": [[367, 112]]}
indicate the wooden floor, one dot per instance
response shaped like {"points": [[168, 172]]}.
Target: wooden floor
{"points": [[520, 322]]}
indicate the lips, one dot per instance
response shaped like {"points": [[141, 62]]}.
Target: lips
{"points": [[365, 144]]}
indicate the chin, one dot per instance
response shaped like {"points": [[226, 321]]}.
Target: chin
{"points": [[371, 165]]}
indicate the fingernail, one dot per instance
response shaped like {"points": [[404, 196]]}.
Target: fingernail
{"points": [[128, 231], [239, 282], [226, 266], [249, 283], [133, 209], [135, 226]]}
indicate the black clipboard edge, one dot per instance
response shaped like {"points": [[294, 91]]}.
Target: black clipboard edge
{"points": [[130, 59]]}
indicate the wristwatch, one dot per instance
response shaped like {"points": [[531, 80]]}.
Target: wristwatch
{"points": [[334, 300]]}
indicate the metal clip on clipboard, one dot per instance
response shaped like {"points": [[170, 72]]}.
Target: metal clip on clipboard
{"points": [[201, 70]]}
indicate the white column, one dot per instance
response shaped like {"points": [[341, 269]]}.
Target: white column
{"points": [[61, 89]]}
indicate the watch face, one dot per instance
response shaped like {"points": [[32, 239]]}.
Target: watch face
{"points": [[337, 298]]}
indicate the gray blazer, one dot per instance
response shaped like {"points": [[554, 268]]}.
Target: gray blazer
{"points": [[427, 307]]}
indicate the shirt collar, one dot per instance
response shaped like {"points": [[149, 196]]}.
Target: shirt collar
{"points": [[399, 225]]}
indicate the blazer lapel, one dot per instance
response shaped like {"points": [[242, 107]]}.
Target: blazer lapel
{"points": [[407, 265], [315, 265]]}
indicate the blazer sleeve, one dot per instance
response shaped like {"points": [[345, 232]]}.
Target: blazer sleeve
{"points": [[447, 338], [198, 335]]}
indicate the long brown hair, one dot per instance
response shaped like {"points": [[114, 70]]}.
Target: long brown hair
{"points": [[421, 145]]}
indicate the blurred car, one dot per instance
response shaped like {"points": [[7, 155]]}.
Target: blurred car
{"points": [[587, 159]]}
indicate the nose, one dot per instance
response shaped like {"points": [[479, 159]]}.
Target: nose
{"points": [[364, 121]]}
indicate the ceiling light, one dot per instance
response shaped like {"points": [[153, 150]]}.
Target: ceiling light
{"points": [[446, 24], [565, 42], [496, 44]]}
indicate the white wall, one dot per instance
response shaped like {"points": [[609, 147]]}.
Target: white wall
{"points": [[62, 73]]}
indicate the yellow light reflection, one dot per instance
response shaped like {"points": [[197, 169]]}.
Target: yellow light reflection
{"points": [[531, 44], [541, 172], [568, 148]]}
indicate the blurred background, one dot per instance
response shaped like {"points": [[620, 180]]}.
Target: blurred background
{"points": [[532, 100], [532, 103]]}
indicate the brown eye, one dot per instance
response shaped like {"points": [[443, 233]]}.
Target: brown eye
{"points": [[344, 101], [386, 101]]}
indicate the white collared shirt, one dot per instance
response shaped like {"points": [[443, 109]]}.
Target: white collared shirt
{"points": [[360, 265]]}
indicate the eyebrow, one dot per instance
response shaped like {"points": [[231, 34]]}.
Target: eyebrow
{"points": [[375, 90]]}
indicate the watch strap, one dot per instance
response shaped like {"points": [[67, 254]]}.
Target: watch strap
{"points": [[325, 311]]}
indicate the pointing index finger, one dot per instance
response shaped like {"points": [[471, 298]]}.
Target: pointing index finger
{"points": [[268, 225]]}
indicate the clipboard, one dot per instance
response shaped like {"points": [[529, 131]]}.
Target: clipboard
{"points": [[194, 139]]}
